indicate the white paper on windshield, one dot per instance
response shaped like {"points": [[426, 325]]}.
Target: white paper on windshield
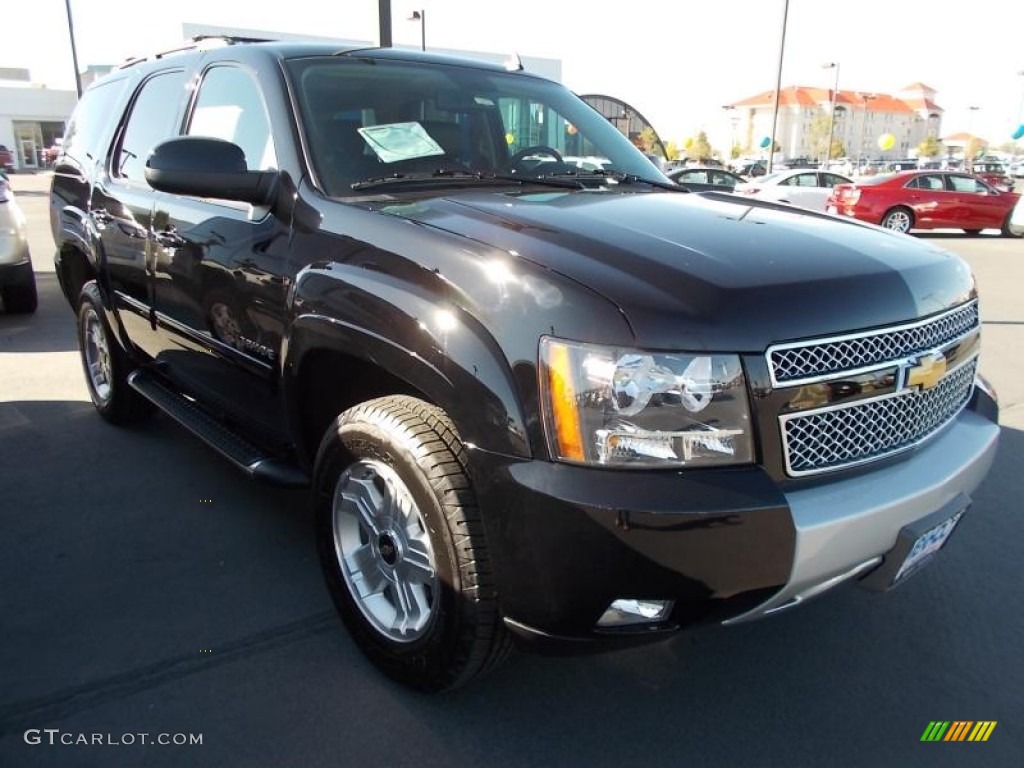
{"points": [[400, 141]]}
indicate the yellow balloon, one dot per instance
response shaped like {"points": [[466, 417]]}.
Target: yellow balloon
{"points": [[886, 142], [510, 138], [688, 144]]}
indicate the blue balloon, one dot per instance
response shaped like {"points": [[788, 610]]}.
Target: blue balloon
{"points": [[767, 140], [1019, 133]]}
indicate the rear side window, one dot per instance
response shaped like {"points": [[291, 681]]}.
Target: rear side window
{"points": [[230, 107], [151, 121], [88, 134]]}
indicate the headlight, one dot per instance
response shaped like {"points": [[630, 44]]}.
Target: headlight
{"points": [[628, 408]]}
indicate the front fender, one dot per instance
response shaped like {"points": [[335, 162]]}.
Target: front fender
{"points": [[437, 348]]}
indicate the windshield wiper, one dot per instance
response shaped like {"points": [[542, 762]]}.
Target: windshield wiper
{"points": [[622, 178], [449, 175]]}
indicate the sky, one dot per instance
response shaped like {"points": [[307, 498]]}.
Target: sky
{"points": [[676, 61]]}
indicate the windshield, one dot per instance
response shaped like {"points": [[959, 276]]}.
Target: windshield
{"points": [[374, 119]]}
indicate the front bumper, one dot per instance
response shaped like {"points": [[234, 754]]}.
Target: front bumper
{"points": [[724, 545], [845, 528]]}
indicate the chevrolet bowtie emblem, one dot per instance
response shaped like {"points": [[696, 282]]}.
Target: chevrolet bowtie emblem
{"points": [[926, 372]]}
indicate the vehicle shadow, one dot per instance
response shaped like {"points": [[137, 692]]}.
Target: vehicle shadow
{"points": [[50, 329]]}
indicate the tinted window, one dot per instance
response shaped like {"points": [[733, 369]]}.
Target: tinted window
{"points": [[151, 121], [926, 182], [697, 177], [722, 179], [966, 184], [801, 180], [230, 107], [831, 179], [86, 136]]}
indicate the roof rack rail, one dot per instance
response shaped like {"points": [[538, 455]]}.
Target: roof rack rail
{"points": [[198, 42]]}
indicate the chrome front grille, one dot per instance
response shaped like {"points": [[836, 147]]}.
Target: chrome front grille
{"points": [[804, 361], [843, 436]]}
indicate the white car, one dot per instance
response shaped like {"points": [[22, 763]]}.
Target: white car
{"points": [[1016, 225], [806, 188], [17, 281]]}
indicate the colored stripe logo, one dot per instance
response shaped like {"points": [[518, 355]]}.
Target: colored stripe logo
{"points": [[959, 730]]}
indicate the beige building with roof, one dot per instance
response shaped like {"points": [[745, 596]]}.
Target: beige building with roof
{"points": [[862, 117]]}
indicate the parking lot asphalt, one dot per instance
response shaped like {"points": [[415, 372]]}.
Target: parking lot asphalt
{"points": [[149, 589]]}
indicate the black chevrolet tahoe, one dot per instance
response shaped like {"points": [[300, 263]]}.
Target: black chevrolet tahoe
{"points": [[535, 405]]}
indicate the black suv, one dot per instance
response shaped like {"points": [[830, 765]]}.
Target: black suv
{"points": [[532, 402]]}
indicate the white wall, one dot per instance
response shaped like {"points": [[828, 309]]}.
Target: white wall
{"points": [[31, 105]]}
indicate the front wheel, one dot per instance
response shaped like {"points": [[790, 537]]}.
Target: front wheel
{"points": [[402, 547], [898, 220]]}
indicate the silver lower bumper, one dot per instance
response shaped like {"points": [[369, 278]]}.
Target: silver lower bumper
{"points": [[844, 528]]}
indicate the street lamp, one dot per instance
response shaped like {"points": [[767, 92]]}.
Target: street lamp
{"points": [[832, 117], [778, 83], [74, 52], [866, 97], [421, 17], [734, 120]]}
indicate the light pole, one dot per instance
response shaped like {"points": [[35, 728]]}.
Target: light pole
{"points": [[74, 51], [778, 84], [832, 115], [421, 17], [384, 20], [969, 148], [865, 97], [734, 120]]}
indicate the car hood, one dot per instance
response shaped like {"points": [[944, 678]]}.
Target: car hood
{"points": [[710, 272]]}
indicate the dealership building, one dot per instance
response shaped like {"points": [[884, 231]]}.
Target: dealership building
{"points": [[32, 117]]}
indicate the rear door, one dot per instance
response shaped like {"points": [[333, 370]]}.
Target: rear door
{"points": [[933, 205], [121, 208]]}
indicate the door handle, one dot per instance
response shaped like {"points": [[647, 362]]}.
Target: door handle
{"points": [[100, 216]]}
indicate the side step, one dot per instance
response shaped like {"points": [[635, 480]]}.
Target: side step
{"points": [[239, 451]]}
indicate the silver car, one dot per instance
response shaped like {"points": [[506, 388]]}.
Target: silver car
{"points": [[17, 281], [1016, 224]]}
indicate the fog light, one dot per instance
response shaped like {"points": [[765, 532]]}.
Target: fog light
{"points": [[625, 612]]}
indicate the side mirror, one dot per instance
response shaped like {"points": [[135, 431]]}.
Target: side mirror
{"points": [[204, 167]]}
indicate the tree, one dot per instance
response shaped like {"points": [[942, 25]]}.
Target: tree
{"points": [[700, 149], [736, 151], [672, 150], [975, 148], [930, 147], [648, 140]]}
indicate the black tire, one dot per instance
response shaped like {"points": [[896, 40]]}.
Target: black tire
{"points": [[973, 232], [462, 635], [20, 299], [1006, 231], [108, 387], [899, 219]]}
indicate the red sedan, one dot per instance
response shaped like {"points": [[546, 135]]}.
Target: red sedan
{"points": [[926, 200]]}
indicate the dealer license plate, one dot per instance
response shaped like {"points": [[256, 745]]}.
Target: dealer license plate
{"points": [[927, 545]]}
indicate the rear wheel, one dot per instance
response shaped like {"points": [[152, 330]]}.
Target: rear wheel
{"points": [[898, 219], [402, 547], [105, 363]]}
